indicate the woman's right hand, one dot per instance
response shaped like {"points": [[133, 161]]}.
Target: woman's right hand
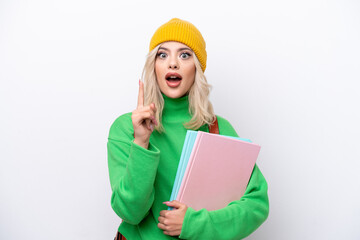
{"points": [[143, 119]]}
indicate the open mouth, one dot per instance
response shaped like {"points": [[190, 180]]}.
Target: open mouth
{"points": [[173, 79]]}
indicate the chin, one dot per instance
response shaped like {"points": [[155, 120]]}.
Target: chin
{"points": [[172, 94]]}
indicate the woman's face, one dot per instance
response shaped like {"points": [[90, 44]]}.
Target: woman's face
{"points": [[175, 69]]}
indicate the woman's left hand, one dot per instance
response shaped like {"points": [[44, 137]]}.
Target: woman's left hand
{"points": [[171, 221]]}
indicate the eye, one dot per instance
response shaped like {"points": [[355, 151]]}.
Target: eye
{"points": [[161, 55], [185, 55]]}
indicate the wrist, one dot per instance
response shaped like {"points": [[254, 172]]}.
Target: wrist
{"points": [[142, 143]]}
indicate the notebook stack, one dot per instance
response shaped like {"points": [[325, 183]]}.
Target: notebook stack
{"points": [[214, 170]]}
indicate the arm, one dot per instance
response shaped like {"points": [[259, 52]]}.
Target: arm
{"points": [[235, 221], [133, 162], [132, 171]]}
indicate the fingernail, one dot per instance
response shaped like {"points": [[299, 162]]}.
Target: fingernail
{"points": [[166, 202]]}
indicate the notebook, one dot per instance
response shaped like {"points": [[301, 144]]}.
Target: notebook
{"points": [[214, 170]]}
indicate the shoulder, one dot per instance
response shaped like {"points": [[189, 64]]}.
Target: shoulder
{"points": [[122, 127], [225, 127]]}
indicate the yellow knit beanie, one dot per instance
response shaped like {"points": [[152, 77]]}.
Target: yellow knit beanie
{"points": [[184, 32]]}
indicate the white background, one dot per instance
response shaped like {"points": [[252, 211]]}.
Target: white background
{"points": [[284, 73]]}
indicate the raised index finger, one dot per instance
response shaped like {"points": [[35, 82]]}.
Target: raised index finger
{"points": [[141, 94]]}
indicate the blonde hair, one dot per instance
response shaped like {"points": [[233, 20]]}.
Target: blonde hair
{"points": [[200, 107]]}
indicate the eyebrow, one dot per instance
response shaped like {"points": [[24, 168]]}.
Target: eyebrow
{"points": [[179, 50]]}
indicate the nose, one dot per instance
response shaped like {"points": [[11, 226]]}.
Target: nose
{"points": [[173, 63], [173, 66]]}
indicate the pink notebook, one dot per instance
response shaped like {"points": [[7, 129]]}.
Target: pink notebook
{"points": [[218, 171]]}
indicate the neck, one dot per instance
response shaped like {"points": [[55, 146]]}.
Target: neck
{"points": [[176, 109]]}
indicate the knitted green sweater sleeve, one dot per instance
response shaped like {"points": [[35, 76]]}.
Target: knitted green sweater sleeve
{"points": [[135, 184], [239, 218]]}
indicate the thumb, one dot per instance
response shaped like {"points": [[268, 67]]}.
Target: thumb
{"points": [[174, 203]]}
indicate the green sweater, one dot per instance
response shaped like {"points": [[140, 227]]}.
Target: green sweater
{"points": [[142, 179]]}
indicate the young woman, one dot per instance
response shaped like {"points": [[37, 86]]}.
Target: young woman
{"points": [[144, 148]]}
